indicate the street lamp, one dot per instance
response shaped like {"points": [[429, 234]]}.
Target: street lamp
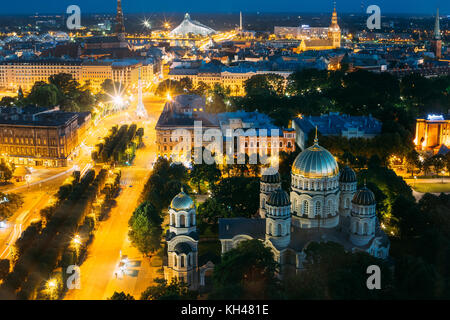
{"points": [[52, 285]]}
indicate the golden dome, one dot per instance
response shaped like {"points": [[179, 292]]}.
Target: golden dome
{"points": [[182, 202], [315, 162]]}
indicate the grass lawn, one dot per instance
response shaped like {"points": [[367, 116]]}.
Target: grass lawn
{"points": [[431, 187]]}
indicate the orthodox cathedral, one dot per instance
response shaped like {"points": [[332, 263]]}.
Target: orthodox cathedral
{"points": [[324, 205]]}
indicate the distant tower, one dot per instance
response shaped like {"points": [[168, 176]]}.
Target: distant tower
{"points": [[120, 26], [334, 31], [140, 109], [437, 41], [240, 21]]}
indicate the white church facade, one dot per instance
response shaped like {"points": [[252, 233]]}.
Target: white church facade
{"points": [[323, 205]]}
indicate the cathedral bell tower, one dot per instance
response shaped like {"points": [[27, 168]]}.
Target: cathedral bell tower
{"points": [[334, 31]]}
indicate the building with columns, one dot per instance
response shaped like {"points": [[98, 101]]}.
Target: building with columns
{"points": [[323, 205]]}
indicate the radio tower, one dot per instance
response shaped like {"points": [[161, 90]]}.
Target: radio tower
{"points": [[140, 109], [120, 26]]}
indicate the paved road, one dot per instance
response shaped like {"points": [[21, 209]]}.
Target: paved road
{"points": [[98, 280]]}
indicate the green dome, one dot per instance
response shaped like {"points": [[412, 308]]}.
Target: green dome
{"points": [[182, 202]]}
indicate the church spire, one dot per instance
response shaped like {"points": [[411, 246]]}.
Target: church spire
{"points": [[437, 28], [120, 26]]}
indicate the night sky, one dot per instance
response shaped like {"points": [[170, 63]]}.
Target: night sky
{"points": [[136, 6]]}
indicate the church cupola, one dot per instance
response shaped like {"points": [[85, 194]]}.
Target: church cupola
{"points": [[270, 181], [363, 217], [182, 214], [278, 218]]}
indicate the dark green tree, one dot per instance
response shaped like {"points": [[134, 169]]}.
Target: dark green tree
{"points": [[145, 228], [175, 290]]}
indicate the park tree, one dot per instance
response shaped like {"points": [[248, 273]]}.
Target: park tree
{"points": [[175, 290], [238, 194], [246, 272], [145, 228], [44, 94], [209, 213], [9, 204], [4, 268], [121, 296], [204, 173], [65, 83], [7, 101], [6, 170], [330, 272]]}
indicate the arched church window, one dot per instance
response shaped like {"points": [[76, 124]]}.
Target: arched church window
{"points": [[366, 228], [175, 260], [182, 262], [182, 221], [280, 230], [347, 203], [305, 207], [318, 208]]}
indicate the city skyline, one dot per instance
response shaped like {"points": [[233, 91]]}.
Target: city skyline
{"points": [[109, 6]]}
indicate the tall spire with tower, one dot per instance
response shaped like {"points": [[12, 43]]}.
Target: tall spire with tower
{"points": [[436, 43], [334, 31], [120, 26], [437, 28], [240, 21], [140, 109]]}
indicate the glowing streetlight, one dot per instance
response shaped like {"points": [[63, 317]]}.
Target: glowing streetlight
{"points": [[147, 24], [77, 240], [168, 97], [118, 100], [52, 286]]}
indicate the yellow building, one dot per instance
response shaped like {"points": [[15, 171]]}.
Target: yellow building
{"points": [[333, 41], [17, 73], [232, 79], [432, 133]]}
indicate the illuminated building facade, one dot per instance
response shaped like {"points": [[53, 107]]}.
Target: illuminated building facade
{"points": [[432, 133], [252, 131], [40, 137], [17, 73], [232, 78]]}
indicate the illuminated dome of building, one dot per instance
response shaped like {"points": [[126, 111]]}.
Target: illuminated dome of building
{"points": [[315, 162], [182, 202], [271, 175], [188, 26], [347, 175], [364, 197], [278, 198]]}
